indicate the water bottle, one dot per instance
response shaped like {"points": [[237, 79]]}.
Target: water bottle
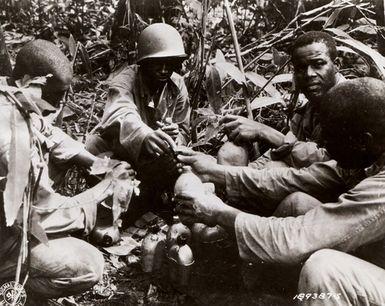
{"points": [[105, 235], [175, 230], [152, 250], [181, 260]]}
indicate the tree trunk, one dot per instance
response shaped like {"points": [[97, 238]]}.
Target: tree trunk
{"points": [[380, 18], [5, 62]]}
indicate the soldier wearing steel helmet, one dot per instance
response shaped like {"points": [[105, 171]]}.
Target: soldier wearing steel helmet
{"points": [[147, 111]]}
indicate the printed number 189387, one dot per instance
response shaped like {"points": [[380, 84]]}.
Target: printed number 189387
{"points": [[314, 296]]}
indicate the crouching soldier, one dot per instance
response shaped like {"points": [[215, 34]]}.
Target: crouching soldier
{"points": [[340, 243], [147, 110], [64, 265]]}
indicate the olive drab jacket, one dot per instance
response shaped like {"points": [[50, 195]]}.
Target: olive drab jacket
{"points": [[131, 113], [58, 214], [302, 144]]}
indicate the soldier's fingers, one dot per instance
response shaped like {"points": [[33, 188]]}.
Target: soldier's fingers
{"points": [[160, 124], [189, 160], [184, 151], [169, 142], [233, 134], [228, 118]]}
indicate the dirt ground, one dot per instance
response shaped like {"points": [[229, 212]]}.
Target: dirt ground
{"points": [[218, 277]]}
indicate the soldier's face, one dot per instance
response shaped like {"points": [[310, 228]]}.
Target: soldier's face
{"points": [[53, 92], [159, 70], [348, 148], [314, 71]]}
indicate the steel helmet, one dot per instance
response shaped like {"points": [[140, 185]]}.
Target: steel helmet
{"points": [[160, 40]]}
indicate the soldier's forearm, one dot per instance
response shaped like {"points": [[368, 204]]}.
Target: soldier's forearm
{"points": [[272, 136], [84, 158]]}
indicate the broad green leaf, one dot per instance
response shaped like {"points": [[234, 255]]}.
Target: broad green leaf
{"points": [[232, 71], [219, 57], [312, 19], [123, 188], [267, 57], [265, 101], [279, 58], [260, 81], [211, 131], [205, 112], [365, 50], [213, 88], [339, 32], [37, 230], [72, 46], [196, 6], [366, 21], [124, 248], [282, 78], [18, 166], [333, 18], [365, 29], [103, 165]]}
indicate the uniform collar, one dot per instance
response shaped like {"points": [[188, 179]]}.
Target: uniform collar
{"points": [[29, 97], [144, 91], [376, 167], [308, 105]]}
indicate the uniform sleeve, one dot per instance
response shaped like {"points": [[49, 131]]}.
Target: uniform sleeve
{"points": [[299, 154], [63, 148], [321, 180], [182, 115], [122, 113], [356, 219]]}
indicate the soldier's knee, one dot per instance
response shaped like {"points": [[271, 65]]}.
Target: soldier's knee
{"points": [[296, 204], [318, 270]]}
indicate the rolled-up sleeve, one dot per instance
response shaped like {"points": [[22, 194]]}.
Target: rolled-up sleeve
{"points": [[356, 219], [299, 154], [182, 114], [321, 180], [64, 148], [121, 112]]}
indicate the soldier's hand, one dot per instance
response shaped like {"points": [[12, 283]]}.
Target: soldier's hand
{"points": [[169, 128], [123, 170], [199, 162], [240, 129], [203, 208], [158, 143]]}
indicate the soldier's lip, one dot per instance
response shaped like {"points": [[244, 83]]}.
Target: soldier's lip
{"points": [[163, 77], [312, 86]]}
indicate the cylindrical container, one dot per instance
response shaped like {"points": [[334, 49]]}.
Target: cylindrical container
{"points": [[175, 230], [188, 184], [209, 188], [105, 235], [181, 259], [152, 250], [213, 234], [212, 239], [196, 230]]}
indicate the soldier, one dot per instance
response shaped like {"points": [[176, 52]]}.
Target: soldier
{"points": [[352, 120], [65, 265], [147, 111], [314, 57]]}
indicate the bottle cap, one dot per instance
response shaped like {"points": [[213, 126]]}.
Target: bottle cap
{"points": [[154, 229], [181, 240]]}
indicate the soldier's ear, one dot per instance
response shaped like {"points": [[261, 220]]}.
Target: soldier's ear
{"points": [[338, 62]]}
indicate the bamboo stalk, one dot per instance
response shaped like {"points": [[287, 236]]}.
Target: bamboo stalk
{"points": [[202, 62], [238, 54]]}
